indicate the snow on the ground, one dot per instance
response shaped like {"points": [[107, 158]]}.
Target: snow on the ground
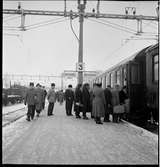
{"points": [[60, 139], [10, 108]]}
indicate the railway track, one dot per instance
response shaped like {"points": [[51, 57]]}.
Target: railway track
{"points": [[13, 116], [13, 111]]}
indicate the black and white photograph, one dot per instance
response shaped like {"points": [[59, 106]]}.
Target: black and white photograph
{"points": [[80, 82]]}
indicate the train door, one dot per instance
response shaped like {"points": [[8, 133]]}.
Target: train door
{"points": [[136, 91]]}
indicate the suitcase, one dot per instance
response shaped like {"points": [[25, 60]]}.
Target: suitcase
{"points": [[118, 109]]}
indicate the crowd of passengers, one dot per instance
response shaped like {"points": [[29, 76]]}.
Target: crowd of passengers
{"points": [[97, 101]]}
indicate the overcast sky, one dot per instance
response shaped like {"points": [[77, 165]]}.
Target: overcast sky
{"points": [[53, 48]]}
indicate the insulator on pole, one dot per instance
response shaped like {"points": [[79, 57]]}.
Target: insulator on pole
{"points": [[65, 8], [139, 26], [19, 5]]}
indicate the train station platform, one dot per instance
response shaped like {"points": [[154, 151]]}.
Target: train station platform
{"points": [[61, 139]]}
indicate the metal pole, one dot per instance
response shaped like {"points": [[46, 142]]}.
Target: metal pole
{"points": [[81, 8]]}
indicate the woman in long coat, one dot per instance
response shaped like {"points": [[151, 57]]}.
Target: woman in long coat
{"points": [[78, 106], [99, 103]]}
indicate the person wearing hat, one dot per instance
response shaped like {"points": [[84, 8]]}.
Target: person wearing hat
{"points": [[69, 99], [30, 98], [51, 97]]}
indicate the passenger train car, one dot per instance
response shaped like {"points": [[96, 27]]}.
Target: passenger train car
{"points": [[140, 74]]}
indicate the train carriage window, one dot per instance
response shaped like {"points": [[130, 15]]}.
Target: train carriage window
{"points": [[155, 68], [124, 77], [118, 77], [108, 79], [112, 80]]}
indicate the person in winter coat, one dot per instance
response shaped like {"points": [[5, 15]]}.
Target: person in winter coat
{"points": [[51, 96], [39, 99], [123, 96], [69, 99], [99, 103], [86, 100], [91, 100], [108, 97], [115, 101], [78, 104], [30, 101], [61, 97], [44, 96]]}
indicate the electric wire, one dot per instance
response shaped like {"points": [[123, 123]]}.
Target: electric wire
{"points": [[132, 30], [73, 29], [142, 39], [10, 19], [9, 27], [35, 25], [11, 34], [6, 17], [47, 21], [110, 26], [149, 24], [47, 24]]}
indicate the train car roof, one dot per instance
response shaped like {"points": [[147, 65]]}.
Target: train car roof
{"points": [[152, 47], [126, 60]]}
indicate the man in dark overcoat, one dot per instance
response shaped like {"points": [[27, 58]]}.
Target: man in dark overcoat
{"points": [[30, 98], [85, 100], [78, 101], [39, 99], [108, 98], [69, 98]]}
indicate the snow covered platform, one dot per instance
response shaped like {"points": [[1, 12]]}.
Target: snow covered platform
{"points": [[61, 139]]}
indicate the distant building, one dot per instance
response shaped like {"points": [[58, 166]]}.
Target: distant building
{"points": [[70, 77]]}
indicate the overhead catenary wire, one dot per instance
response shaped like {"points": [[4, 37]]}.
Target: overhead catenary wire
{"points": [[126, 30], [11, 34], [9, 27], [51, 21], [6, 17], [42, 22], [47, 24], [142, 39], [111, 26], [10, 19], [73, 29], [130, 29]]}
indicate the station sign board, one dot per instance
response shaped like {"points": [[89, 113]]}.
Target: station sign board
{"points": [[80, 67]]}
